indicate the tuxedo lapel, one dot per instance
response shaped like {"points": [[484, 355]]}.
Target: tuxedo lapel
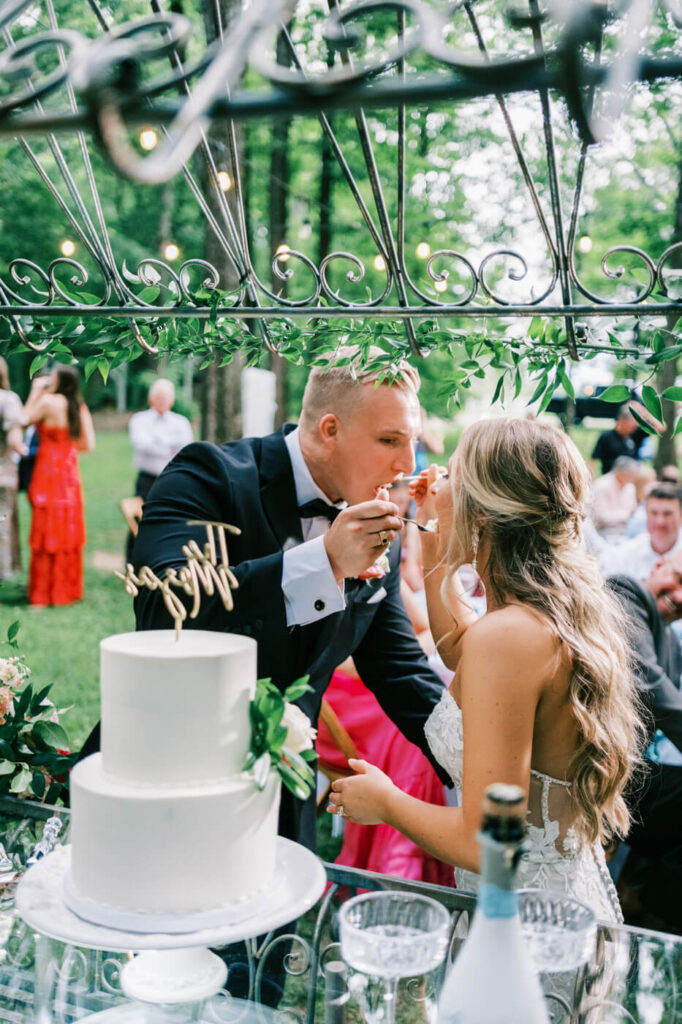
{"points": [[277, 489]]}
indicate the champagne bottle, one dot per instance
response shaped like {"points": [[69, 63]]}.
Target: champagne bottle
{"points": [[493, 980]]}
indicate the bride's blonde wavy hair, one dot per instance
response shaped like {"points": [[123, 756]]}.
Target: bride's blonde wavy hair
{"points": [[523, 486]]}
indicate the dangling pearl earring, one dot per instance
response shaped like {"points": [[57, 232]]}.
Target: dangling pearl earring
{"points": [[475, 536]]}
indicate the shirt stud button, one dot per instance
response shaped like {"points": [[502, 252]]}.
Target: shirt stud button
{"points": [[319, 605]]}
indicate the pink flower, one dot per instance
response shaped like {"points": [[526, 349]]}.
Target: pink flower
{"points": [[10, 675], [6, 702]]}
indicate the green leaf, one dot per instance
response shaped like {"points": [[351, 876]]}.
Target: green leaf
{"points": [[7, 767], [51, 734], [547, 397], [90, 366], [566, 381], [651, 401], [540, 388], [499, 389], [616, 393], [666, 355], [673, 394], [38, 363], [38, 784], [644, 424], [678, 427], [296, 690], [536, 327], [292, 781], [14, 629], [21, 781]]}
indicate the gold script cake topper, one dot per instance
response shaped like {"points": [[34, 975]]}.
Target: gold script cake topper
{"points": [[202, 573]]}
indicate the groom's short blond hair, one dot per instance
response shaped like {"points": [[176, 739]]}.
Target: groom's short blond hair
{"points": [[337, 386]]}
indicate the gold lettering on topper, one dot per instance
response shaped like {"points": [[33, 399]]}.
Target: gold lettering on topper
{"points": [[203, 573]]}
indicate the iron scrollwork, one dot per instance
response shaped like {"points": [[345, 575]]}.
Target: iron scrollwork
{"points": [[122, 79]]}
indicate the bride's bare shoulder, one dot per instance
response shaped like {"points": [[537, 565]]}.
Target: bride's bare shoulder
{"points": [[512, 627]]}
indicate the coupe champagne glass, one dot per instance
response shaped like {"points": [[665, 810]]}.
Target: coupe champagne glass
{"points": [[392, 935], [560, 932]]}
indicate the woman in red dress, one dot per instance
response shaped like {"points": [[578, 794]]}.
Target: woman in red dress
{"points": [[57, 534]]}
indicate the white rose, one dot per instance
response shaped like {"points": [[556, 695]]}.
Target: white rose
{"points": [[9, 673], [300, 733]]}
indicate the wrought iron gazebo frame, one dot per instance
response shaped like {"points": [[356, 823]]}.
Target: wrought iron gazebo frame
{"points": [[107, 93]]}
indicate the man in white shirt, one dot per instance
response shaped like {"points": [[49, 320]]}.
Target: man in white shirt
{"points": [[157, 434], [638, 556], [614, 498]]}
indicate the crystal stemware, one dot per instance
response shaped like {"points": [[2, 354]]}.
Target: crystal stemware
{"points": [[560, 932], [392, 935]]}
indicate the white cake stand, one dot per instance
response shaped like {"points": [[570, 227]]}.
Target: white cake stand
{"points": [[175, 967]]}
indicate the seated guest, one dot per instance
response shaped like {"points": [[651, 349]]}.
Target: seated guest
{"points": [[614, 498], [636, 557], [669, 475], [654, 867], [645, 480]]}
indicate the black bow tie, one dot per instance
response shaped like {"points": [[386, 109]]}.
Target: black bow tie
{"points": [[317, 507]]}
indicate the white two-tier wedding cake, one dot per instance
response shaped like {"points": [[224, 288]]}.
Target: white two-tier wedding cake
{"points": [[164, 819]]}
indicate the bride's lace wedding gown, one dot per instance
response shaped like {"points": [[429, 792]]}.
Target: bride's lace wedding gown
{"points": [[556, 858]]}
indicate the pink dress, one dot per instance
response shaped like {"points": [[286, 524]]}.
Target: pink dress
{"points": [[380, 847]]}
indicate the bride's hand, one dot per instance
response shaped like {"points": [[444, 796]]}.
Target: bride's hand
{"points": [[423, 491], [364, 797]]}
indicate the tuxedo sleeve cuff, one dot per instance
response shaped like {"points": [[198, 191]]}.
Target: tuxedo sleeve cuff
{"points": [[308, 584]]}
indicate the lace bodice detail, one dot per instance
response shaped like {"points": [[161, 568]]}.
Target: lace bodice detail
{"points": [[555, 856]]}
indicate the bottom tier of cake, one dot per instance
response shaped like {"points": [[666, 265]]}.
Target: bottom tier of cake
{"points": [[172, 850]]}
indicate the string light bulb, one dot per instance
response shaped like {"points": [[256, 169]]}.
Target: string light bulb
{"points": [[584, 244], [423, 251], [283, 252], [225, 181], [148, 138], [171, 251], [440, 286], [67, 248], [379, 263]]}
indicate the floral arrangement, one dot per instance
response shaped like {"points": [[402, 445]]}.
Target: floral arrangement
{"points": [[282, 737], [34, 748]]}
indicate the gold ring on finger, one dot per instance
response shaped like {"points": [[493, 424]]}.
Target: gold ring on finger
{"points": [[383, 538]]}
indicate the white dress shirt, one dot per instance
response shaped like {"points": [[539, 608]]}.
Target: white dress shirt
{"points": [[634, 557], [157, 438], [612, 505], [310, 589]]}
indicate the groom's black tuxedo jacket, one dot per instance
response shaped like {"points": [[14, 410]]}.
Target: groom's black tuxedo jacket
{"points": [[250, 484]]}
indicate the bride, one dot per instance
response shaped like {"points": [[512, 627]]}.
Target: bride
{"points": [[543, 694]]}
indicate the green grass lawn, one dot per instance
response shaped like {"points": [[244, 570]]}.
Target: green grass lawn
{"points": [[61, 645]]}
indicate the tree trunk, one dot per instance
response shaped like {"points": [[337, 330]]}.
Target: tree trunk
{"points": [[221, 404], [666, 375], [324, 200]]}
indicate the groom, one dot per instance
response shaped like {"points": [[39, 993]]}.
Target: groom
{"points": [[304, 500]]}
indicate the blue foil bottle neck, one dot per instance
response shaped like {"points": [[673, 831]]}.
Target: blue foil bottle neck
{"points": [[497, 903]]}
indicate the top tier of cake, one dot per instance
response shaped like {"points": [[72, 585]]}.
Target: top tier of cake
{"points": [[176, 712]]}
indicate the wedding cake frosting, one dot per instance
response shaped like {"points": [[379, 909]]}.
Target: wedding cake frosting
{"points": [[164, 820]]}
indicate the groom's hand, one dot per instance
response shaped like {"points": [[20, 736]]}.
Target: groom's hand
{"points": [[356, 538]]}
